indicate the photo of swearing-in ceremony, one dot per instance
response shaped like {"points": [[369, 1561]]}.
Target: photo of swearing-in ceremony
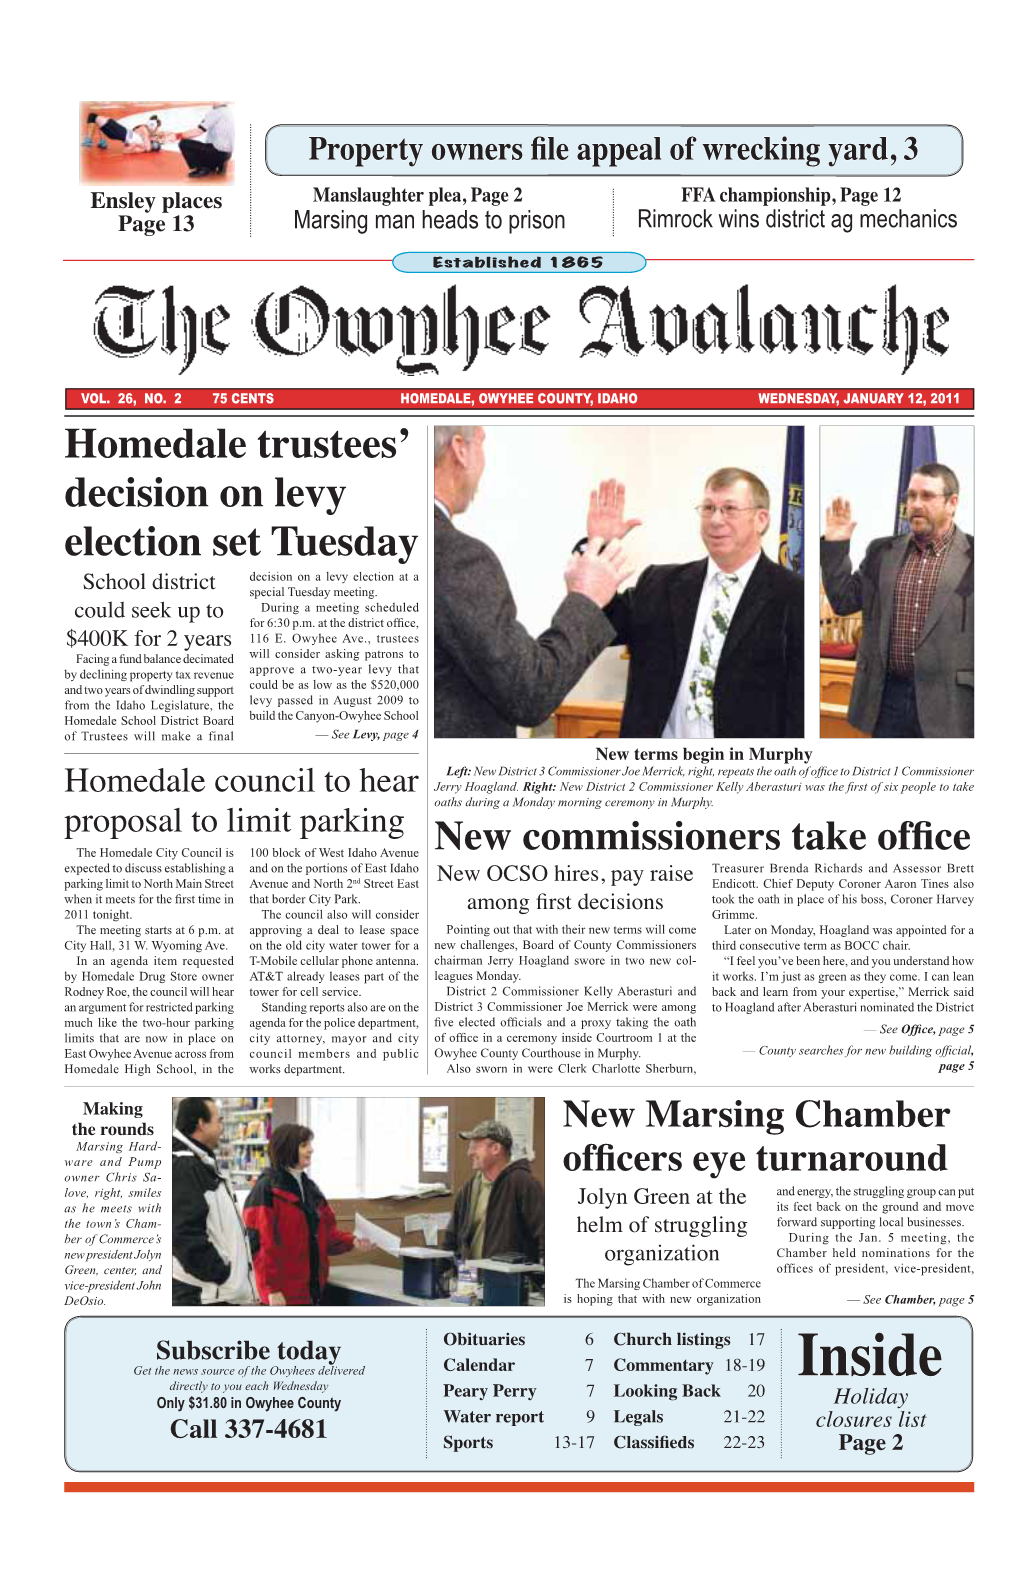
{"points": [[377, 1202], [618, 582], [897, 583], [161, 143]]}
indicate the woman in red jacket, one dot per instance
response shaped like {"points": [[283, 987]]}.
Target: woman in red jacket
{"points": [[291, 1228]]}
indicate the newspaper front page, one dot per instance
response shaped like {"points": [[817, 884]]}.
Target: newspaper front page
{"points": [[525, 859]]}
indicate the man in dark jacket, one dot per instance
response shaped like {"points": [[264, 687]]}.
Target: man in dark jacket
{"points": [[501, 1210], [716, 646], [491, 676], [914, 677], [212, 1265]]}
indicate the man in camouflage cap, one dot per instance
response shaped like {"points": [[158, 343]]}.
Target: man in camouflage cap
{"points": [[501, 1210]]}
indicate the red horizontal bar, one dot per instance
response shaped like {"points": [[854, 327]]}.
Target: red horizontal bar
{"points": [[519, 1488], [134, 261], [793, 259], [166, 401]]}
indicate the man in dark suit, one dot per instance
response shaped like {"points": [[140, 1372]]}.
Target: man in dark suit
{"points": [[915, 664], [716, 646], [491, 676]]}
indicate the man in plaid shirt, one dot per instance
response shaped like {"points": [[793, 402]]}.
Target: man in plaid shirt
{"points": [[915, 665]]}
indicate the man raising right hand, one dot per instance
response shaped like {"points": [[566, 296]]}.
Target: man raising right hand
{"points": [[491, 676]]}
